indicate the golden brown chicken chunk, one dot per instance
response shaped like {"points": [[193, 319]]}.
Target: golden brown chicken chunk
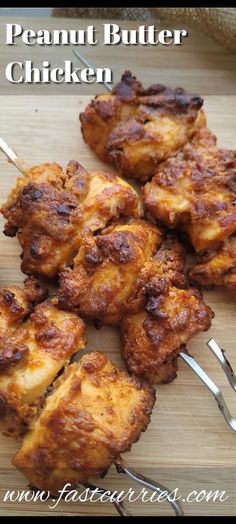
{"points": [[152, 337], [136, 128], [48, 172], [196, 191], [50, 211], [32, 352], [217, 268], [108, 272], [96, 413], [16, 303]]}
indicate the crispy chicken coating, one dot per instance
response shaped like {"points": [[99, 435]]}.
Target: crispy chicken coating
{"points": [[48, 172], [96, 413], [32, 352], [16, 303], [50, 211], [108, 272], [152, 337], [136, 128], [217, 267], [196, 191]]}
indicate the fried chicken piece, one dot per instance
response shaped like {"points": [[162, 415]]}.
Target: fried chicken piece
{"points": [[96, 413], [16, 303], [196, 191], [152, 338], [31, 355], [136, 128], [48, 172], [109, 270], [217, 268], [50, 211]]}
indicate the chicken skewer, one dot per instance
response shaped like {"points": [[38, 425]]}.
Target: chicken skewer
{"points": [[224, 363], [214, 390], [211, 386], [161, 135], [135, 476], [94, 413], [50, 211], [205, 137], [36, 342]]}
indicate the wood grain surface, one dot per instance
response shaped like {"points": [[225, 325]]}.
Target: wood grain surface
{"points": [[188, 444]]}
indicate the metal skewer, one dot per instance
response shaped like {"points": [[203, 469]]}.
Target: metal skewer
{"points": [[139, 478], [154, 486], [220, 355], [213, 388], [84, 61], [11, 156]]}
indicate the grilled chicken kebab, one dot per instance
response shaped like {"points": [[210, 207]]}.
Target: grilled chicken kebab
{"points": [[50, 210], [114, 266], [90, 414], [111, 275], [95, 413], [160, 134]]}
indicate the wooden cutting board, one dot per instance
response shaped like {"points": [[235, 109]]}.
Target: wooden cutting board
{"points": [[188, 444]]}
